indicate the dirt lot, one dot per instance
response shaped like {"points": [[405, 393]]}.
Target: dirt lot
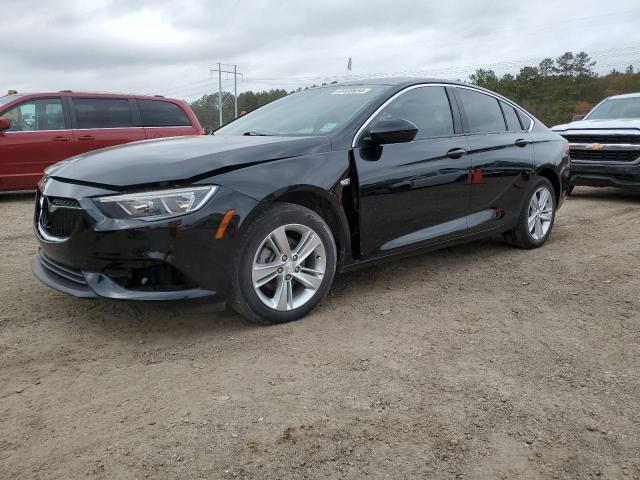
{"points": [[479, 361]]}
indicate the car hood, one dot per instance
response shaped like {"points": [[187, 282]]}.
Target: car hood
{"points": [[179, 159], [615, 124]]}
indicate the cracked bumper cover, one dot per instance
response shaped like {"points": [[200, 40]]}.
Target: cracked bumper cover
{"points": [[96, 285], [103, 258]]}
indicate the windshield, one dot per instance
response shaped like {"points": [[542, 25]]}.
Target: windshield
{"points": [[616, 108], [7, 98], [317, 111]]}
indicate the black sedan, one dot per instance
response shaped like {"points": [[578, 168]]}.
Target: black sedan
{"points": [[267, 210]]}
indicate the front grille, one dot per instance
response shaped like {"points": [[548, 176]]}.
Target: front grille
{"points": [[615, 139], [61, 270], [64, 202], [605, 155], [58, 216]]}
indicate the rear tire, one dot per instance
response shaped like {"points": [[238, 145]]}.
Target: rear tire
{"points": [[536, 217], [284, 266]]}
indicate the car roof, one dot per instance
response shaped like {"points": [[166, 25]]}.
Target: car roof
{"points": [[626, 95], [72, 93], [399, 81]]}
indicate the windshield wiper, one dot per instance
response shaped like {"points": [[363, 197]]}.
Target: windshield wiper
{"points": [[256, 134]]}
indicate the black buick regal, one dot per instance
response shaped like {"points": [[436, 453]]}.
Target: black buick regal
{"points": [[266, 211]]}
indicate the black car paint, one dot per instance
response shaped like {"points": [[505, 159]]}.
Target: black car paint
{"points": [[381, 201], [163, 161]]}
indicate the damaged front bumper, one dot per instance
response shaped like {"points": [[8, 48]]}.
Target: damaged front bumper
{"points": [[167, 259], [94, 284]]}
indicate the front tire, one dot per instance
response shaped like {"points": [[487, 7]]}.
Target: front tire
{"points": [[536, 217], [284, 266]]}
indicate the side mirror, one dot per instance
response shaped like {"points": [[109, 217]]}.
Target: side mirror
{"points": [[207, 131], [396, 130], [577, 117], [5, 124]]}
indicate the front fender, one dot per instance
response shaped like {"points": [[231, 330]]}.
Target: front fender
{"points": [[295, 179]]}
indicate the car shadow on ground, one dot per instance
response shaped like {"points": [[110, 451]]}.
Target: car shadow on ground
{"points": [[606, 194], [131, 322]]}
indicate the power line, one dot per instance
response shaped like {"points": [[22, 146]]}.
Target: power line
{"points": [[494, 34], [235, 86], [603, 58]]}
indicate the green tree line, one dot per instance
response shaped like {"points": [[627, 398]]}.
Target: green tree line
{"points": [[206, 108], [553, 90]]}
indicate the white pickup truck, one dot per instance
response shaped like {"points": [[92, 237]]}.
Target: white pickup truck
{"points": [[605, 143]]}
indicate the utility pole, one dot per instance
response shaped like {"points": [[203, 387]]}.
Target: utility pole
{"points": [[220, 94], [235, 89], [235, 74]]}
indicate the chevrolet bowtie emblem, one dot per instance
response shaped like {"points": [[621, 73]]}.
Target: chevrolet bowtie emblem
{"points": [[595, 146]]}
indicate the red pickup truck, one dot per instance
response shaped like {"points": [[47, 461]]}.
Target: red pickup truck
{"points": [[40, 129]]}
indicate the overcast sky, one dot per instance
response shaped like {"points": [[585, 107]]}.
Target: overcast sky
{"points": [[169, 46]]}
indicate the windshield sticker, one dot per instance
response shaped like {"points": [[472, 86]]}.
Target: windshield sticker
{"points": [[327, 127], [350, 91]]}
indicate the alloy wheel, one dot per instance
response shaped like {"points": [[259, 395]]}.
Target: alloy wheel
{"points": [[540, 213], [288, 267]]}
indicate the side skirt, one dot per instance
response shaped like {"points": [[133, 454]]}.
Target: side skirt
{"points": [[424, 249]]}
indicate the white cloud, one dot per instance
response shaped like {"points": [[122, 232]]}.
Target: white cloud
{"points": [[168, 46]]}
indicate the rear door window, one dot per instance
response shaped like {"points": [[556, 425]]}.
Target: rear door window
{"points": [[102, 113], [155, 113], [524, 120], [426, 107], [510, 115], [482, 111], [34, 115]]}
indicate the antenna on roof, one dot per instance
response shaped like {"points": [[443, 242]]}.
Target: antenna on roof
{"points": [[12, 92]]}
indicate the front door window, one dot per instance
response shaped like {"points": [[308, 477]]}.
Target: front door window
{"points": [[37, 115]]}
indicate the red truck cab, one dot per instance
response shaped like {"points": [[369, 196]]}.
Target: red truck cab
{"points": [[40, 129]]}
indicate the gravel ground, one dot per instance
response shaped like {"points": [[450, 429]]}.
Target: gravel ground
{"points": [[479, 361]]}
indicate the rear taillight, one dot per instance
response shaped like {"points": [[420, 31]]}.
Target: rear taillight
{"points": [[200, 132]]}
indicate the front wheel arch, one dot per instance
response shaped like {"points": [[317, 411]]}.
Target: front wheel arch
{"points": [[550, 174], [321, 203]]}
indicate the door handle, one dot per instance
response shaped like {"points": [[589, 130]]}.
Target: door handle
{"points": [[456, 152], [87, 137], [521, 142], [61, 139]]}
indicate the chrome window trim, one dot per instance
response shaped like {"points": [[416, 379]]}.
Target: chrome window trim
{"points": [[176, 126], [37, 131], [106, 128], [85, 129], [423, 85]]}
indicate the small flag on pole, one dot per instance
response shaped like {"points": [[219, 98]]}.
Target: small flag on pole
{"points": [[349, 64]]}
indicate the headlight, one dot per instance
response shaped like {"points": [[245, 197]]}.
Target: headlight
{"points": [[155, 205]]}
